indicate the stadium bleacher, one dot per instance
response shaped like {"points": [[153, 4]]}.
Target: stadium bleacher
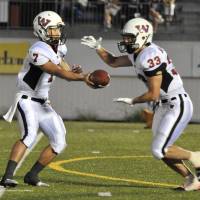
{"points": [[20, 13]]}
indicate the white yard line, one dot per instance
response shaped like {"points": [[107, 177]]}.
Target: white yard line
{"points": [[10, 190], [2, 189], [104, 194]]}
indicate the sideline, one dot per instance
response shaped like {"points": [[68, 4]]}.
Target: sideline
{"points": [[57, 166], [28, 151]]}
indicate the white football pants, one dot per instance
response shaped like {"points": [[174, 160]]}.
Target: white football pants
{"points": [[170, 119], [34, 115]]}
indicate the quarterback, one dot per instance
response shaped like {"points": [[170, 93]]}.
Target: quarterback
{"points": [[44, 61], [174, 107]]}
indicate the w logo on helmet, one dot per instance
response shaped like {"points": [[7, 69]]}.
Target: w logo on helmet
{"points": [[43, 22], [143, 28]]}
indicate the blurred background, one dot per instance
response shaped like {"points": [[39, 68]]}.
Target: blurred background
{"points": [[176, 28]]}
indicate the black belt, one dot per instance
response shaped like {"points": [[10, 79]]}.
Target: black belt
{"points": [[42, 101], [171, 99], [167, 100]]}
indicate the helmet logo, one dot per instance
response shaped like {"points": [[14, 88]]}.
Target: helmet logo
{"points": [[43, 22], [142, 28]]}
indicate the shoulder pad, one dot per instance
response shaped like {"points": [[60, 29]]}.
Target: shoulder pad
{"points": [[152, 57]]}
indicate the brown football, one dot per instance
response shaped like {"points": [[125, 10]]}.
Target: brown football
{"points": [[100, 78]]}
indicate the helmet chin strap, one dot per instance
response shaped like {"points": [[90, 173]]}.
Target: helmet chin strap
{"points": [[130, 49], [53, 42], [146, 39]]}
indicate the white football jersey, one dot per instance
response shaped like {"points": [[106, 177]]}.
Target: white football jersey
{"points": [[151, 61], [31, 79]]}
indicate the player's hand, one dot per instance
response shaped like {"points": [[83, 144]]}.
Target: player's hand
{"points": [[77, 69], [91, 42], [128, 101], [87, 80]]}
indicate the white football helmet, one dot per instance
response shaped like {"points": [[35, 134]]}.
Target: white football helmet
{"points": [[141, 32], [45, 20]]}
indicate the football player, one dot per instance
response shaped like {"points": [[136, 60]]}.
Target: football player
{"points": [[44, 61], [174, 108]]}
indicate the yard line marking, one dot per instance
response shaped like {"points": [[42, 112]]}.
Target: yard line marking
{"points": [[104, 194], [90, 130], [96, 152], [57, 166], [10, 190], [39, 136]]}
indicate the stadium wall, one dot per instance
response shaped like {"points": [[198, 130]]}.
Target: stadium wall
{"points": [[73, 100]]}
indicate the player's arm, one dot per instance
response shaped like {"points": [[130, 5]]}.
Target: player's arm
{"points": [[74, 68], [153, 93], [106, 56], [65, 65], [59, 71], [153, 65], [113, 61], [37, 58]]}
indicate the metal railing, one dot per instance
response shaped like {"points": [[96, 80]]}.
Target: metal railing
{"points": [[19, 14]]}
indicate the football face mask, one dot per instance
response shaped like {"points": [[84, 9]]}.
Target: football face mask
{"points": [[128, 44], [56, 34]]}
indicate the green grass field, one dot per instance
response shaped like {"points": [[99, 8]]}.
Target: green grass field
{"points": [[101, 158]]}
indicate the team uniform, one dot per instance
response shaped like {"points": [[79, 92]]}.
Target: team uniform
{"points": [[33, 107], [175, 108], [31, 100]]}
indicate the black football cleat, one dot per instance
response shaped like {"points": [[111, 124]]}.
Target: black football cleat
{"points": [[34, 180], [8, 183]]}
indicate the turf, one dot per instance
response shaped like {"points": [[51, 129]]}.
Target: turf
{"points": [[100, 157]]}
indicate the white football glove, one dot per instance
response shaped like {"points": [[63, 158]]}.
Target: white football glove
{"points": [[91, 42], [128, 101]]}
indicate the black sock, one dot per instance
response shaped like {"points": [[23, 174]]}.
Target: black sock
{"points": [[11, 166], [198, 173], [37, 167]]}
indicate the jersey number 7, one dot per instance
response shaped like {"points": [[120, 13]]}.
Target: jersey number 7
{"points": [[35, 55]]}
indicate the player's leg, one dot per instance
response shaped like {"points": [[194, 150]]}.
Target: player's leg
{"points": [[178, 166], [29, 128], [166, 131], [147, 116], [191, 180], [16, 154], [182, 116], [169, 124], [53, 127], [46, 156]]}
